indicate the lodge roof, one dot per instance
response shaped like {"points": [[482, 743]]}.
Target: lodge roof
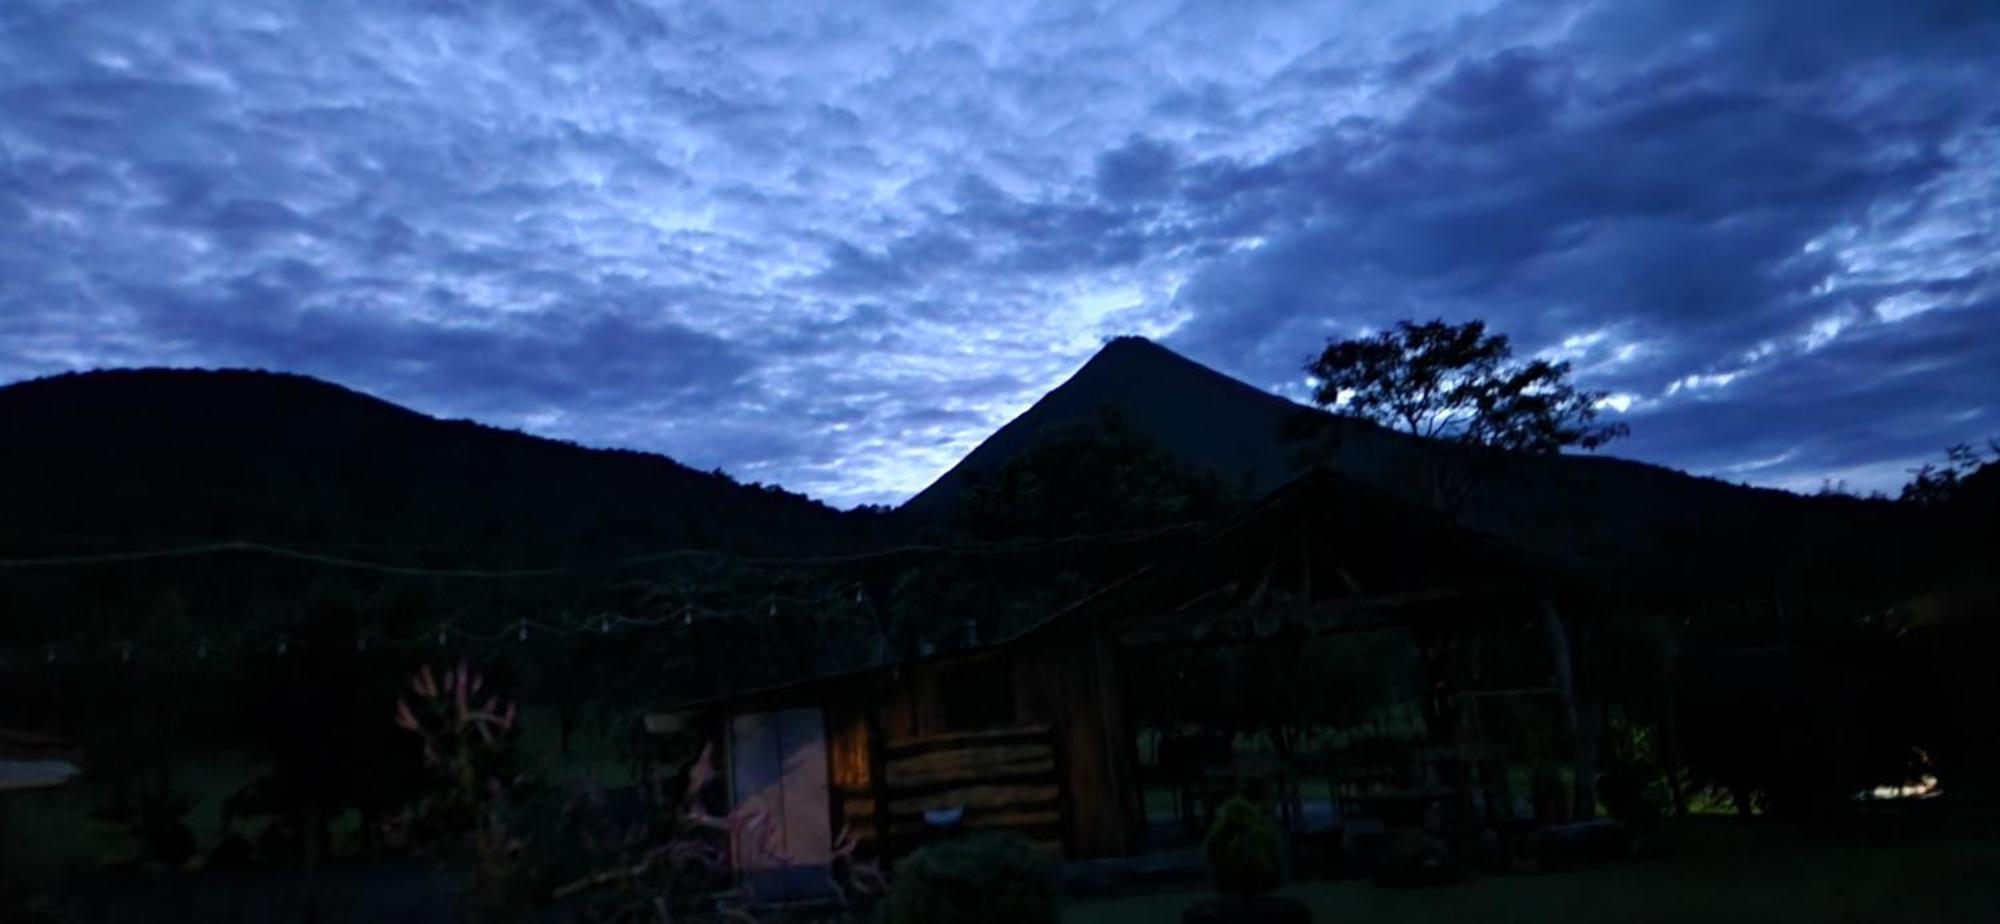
{"points": [[1379, 560]]}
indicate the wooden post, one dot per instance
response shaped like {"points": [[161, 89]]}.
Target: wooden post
{"points": [[1119, 754], [878, 780]]}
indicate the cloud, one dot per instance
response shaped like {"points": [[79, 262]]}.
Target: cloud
{"points": [[834, 246]]}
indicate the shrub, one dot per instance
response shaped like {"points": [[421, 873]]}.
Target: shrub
{"points": [[983, 879], [1244, 850], [156, 817]]}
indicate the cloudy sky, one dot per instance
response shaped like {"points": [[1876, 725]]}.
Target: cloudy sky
{"points": [[834, 245]]}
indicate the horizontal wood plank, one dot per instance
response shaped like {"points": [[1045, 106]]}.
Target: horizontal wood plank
{"points": [[908, 746], [971, 765], [978, 797]]}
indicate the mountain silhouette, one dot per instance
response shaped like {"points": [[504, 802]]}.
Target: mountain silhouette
{"points": [[109, 461], [1599, 514], [143, 458]]}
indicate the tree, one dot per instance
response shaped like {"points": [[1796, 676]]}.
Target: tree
{"points": [[1934, 485], [1092, 477], [1459, 386]]}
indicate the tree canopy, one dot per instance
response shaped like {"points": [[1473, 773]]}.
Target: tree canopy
{"points": [[1104, 476], [1458, 382], [1460, 386], [1935, 484]]}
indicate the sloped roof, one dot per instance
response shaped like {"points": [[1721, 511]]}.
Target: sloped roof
{"points": [[1324, 546], [1379, 559]]}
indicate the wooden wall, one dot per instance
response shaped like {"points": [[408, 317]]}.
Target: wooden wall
{"points": [[850, 768], [1003, 779], [1072, 683], [1061, 771]]}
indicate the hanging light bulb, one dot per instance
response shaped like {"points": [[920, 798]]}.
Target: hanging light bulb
{"points": [[361, 643], [201, 650], [442, 633], [283, 643], [604, 624], [522, 635], [125, 652], [49, 655]]}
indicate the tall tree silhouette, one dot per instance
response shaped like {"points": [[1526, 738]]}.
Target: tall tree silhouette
{"points": [[1461, 387], [1936, 484]]}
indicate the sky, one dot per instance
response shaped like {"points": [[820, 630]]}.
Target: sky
{"points": [[833, 246]]}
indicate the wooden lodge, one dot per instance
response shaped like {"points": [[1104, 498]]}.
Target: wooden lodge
{"points": [[1035, 734]]}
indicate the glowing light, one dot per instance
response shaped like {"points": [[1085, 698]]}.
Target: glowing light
{"points": [[1925, 787]]}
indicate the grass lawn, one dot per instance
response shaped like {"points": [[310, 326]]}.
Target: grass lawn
{"points": [[1713, 871]]}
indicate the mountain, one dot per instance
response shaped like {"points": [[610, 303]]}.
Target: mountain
{"points": [[107, 461], [1205, 419], [1598, 514]]}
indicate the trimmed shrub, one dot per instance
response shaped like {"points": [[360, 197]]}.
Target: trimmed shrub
{"points": [[983, 879], [1244, 850]]}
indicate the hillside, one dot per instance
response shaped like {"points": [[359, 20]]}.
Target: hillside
{"points": [[125, 459], [1598, 514]]}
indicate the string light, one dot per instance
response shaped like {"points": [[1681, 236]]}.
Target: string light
{"points": [[445, 634], [653, 558]]}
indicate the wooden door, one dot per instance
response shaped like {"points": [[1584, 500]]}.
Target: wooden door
{"points": [[778, 774]]}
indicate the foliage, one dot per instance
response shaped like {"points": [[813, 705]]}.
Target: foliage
{"points": [[1457, 381], [1796, 729], [1092, 478], [668, 855], [313, 714], [1459, 384], [1244, 850], [982, 879], [1632, 786], [1937, 484], [155, 817], [465, 812]]}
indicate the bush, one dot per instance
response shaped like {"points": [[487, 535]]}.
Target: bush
{"points": [[973, 880], [1244, 850], [157, 819]]}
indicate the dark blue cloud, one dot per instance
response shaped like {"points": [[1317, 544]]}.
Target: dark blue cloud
{"points": [[835, 245]]}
